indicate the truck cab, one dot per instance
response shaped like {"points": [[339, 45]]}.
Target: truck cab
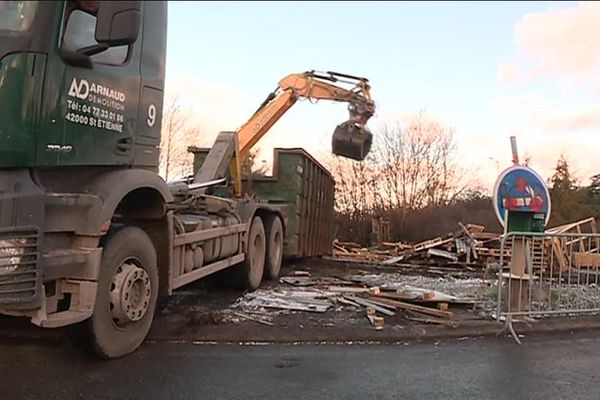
{"points": [[90, 234], [68, 108]]}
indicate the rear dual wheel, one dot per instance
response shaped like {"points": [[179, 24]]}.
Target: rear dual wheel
{"points": [[274, 257], [264, 252], [252, 268]]}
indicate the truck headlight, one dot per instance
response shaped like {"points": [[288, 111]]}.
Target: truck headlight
{"points": [[11, 254]]}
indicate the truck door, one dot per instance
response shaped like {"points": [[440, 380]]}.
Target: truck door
{"points": [[98, 106]]}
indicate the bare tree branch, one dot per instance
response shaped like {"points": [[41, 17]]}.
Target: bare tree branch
{"points": [[176, 135]]}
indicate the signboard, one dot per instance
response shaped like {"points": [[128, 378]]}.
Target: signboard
{"points": [[520, 188]]}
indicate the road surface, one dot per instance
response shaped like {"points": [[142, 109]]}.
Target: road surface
{"points": [[544, 367]]}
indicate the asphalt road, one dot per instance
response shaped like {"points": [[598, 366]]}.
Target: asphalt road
{"points": [[545, 367]]}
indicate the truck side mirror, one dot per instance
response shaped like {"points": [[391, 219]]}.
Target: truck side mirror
{"points": [[118, 22]]}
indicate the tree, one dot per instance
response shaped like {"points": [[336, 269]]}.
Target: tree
{"points": [[176, 136], [562, 180], [409, 168], [417, 164], [594, 187], [569, 201], [251, 166]]}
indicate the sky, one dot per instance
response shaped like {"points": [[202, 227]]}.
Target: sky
{"points": [[490, 70]]}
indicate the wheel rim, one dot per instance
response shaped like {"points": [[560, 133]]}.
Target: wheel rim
{"points": [[130, 293]]}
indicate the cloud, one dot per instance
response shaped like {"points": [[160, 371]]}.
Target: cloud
{"points": [[519, 103], [212, 108], [561, 41], [509, 74], [573, 122]]}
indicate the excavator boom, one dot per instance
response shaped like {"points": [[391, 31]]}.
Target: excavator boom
{"points": [[350, 139]]}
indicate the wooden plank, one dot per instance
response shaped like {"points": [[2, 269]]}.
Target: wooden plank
{"points": [[466, 231], [368, 303], [473, 228], [518, 260], [399, 245], [347, 302], [568, 227], [487, 236], [337, 247], [428, 244], [586, 260], [376, 321], [353, 245], [412, 307], [558, 254], [344, 289], [581, 246], [442, 253], [392, 260]]}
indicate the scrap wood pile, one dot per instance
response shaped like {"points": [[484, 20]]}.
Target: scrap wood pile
{"points": [[563, 247], [468, 245], [471, 245], [321, 294], [558, 253]]}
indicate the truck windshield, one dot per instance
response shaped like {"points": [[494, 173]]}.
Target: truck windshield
{"points": [[16, 16]]}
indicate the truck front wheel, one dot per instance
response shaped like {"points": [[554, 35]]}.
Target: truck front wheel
{"points": [[126, 294]]}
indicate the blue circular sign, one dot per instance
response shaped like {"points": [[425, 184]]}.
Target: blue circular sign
{"points": [[520, 188]]}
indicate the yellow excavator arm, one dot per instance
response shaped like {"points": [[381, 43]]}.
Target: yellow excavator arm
{"points": [[350, 139]]}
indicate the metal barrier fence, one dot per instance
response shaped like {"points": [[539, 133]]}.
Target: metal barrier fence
{"points": [[548, 274]]}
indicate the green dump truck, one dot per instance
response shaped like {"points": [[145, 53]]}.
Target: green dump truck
{"points": [[90, 234]]}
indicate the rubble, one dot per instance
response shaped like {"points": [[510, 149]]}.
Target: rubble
{"points": [[389, 294], [471, 246], [376, 321], [562, 254], [425, 282], [468, 246], [446, 281]]}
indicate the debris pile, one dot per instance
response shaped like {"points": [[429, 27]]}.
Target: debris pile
{"points": [[560, 253], [396, 299], [470, 245]]}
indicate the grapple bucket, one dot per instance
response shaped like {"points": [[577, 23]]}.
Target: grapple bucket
{"points": [[352, 141]]}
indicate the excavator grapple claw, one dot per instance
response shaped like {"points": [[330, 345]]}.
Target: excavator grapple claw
{"points": [[352, 141]]}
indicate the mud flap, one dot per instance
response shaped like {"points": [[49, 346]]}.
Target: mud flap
{"points": [[352, 141]]}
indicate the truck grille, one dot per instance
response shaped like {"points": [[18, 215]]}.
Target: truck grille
{"points": [[20, 275]]}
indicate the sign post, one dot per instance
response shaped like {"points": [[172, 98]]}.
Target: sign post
{"points": [[522, 205]]}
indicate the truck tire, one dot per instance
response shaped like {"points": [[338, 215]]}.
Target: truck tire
{"points": [[126, 295], [252, 269], [274, 230]]}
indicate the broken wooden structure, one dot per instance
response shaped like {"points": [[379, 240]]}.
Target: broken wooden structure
{"points": [[468, 245], [472, 245]]}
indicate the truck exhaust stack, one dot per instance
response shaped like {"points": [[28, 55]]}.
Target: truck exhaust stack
{"points": [[351, 140]]}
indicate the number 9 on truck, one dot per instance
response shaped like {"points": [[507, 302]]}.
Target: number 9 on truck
{"points": [[151, 115]]}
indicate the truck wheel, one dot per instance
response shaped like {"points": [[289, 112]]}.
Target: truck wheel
{"points": [[126, 296], [274, 247], [254, 265]]}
